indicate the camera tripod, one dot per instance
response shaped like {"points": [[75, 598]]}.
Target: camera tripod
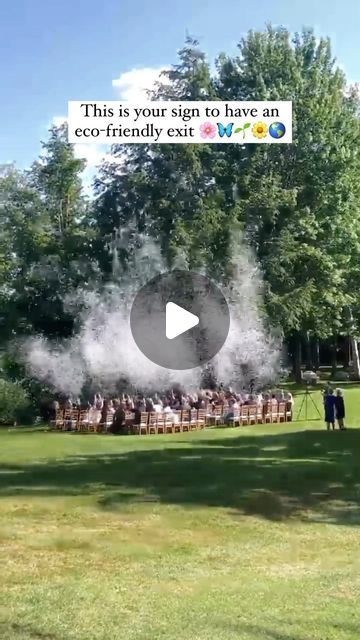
{"points": [[305, 401]]}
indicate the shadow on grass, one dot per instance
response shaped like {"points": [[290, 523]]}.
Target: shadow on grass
{"points": [[24, 632], [261, 633], [311, 475]]}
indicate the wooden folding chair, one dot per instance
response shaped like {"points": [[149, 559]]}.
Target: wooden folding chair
{"points": [[193, 419], [235, 419], [244, 414], [143, 424], [218, 414], [71, 417], [83, 422], [252, 417], [177, 421], [169, 424], [289, 412], [201, 419], [152, 423], [104, 426], [94, 422], [267, 412], [260, 413], [58, 422], [274, 411], [185, 420], [282, 412], [129, 421], [160, 423], [75, 413]]}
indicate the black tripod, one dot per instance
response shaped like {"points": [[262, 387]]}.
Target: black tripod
{"points": [[305, 401]]}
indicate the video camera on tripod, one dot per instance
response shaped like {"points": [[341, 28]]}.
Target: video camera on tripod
{"points": [[311, 379]]}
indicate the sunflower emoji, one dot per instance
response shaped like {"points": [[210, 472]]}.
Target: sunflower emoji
{"points": [[259, 130]]}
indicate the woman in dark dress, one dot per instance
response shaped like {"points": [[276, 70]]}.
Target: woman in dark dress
{"points": [[340, 409], [119, 420], [329, 406]]}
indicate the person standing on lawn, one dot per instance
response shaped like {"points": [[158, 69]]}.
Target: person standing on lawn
{"points": [[340, 409], [329, 405]]}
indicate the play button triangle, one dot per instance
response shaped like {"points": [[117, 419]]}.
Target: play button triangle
{"points": [[178, 320]]}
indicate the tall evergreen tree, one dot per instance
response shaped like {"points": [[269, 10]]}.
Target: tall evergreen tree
{"points": [[170, 189], [300, 202]]}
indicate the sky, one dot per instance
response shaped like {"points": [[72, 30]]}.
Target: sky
{"points": [[52, 51]]}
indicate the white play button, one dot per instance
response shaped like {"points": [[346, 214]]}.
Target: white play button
{"points": [[178, 320], [183, 305]]}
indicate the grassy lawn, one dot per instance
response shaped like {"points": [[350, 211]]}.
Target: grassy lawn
{"points": [[227, 534]]}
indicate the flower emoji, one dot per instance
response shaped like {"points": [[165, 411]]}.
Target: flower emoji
{"points": [[207, 130], [259, 130]]}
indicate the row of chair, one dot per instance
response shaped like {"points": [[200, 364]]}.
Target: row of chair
{"points": [[82, 420], [269, 412], [184, 420]]}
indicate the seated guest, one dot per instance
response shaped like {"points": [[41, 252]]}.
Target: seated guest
{"points": [[149, 404], [55, 407], [289, 401], [94, 416], [106, 411], [118, 423], [200, 402], [140, 405], [129, 404], [193, 399], [140, 408], [98, 402], [111, 408], [233, 406], [177, 403], [68, 404], [157, 400], [259, 399], [158, 405], [168, 412], [188, 402]]}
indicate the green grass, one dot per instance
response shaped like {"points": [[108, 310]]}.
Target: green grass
{"points": [[248, 533]]}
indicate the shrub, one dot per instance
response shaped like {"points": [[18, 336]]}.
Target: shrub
{"points": [[14, 402], [341, 376]]}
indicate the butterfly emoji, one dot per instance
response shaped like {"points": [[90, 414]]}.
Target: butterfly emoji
{"points": [[225, 131]]}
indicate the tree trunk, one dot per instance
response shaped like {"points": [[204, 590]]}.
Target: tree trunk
{"points": [[316, 353], [333, 356], [309, 361], [348, 355], [354, 347], [355, 357], [297, 358]]}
